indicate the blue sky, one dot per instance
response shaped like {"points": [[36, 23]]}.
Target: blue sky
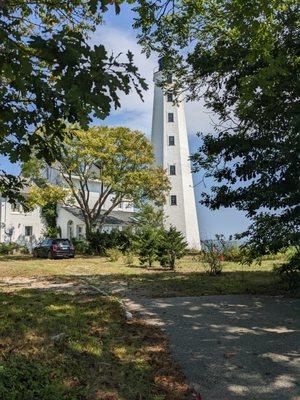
{"points": [[118, 36]]}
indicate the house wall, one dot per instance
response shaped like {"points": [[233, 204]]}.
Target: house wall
{"points": [[73, 227], [13, 223], [70, 225]]}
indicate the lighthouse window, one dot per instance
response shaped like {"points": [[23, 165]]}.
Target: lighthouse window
{"points": [[169, 98], [172, 170], [171, 140], [173, 200], [170, 117]]}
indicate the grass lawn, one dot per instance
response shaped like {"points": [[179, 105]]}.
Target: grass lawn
{"points": [[101, 357], [189, 279]]}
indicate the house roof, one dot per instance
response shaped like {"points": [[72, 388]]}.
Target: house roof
{"points": [[114, 218]]}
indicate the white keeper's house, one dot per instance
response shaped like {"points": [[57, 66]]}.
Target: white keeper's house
{"points": [[28, 227], [170, 144]]}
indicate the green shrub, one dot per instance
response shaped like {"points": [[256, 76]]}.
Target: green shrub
{"points": [[146, 244], [81, 246], [8, 248], [212, 255], [23, 250], [3, 249], [113, 254], [171, 247], [212, 262], [100, 242], [163, 245]]}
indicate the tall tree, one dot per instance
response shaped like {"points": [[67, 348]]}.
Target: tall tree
{"points": [[243, 57], [51, 74], [118, 160]]}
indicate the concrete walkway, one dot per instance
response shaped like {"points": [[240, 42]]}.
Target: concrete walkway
{"points": [[232, 347]]}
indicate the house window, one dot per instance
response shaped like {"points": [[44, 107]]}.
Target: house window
{"points": [[16, 207], [171, 140], [28, 230], [172, 170], [169, 98], [170, 117], [79, 232], [173, 200]]}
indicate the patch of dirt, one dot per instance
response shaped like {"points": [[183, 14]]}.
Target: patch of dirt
{"points": [[18, 283]]}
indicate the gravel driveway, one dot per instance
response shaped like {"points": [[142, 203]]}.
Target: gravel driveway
{"points": [[233, 347]]}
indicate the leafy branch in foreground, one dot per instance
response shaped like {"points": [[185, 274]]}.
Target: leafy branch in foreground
{"points": [[52, 74]]}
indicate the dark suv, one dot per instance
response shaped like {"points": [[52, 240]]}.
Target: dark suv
{"points": [[54, 248]]}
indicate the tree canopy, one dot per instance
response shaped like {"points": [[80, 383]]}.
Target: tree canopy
{"points": [[243, 57], [116, 159], [51, 74]]}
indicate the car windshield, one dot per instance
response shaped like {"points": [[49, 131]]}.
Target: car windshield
{"points": [[61, 241]]}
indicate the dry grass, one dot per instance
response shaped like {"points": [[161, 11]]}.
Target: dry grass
{"points": [[189, 278]]}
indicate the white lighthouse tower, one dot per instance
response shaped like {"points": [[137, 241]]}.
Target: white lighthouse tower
{"points": [[171, 149]]}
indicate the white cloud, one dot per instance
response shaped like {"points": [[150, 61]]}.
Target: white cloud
{"points": [[135, 113]]}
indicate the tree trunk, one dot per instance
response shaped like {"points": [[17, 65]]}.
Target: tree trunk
{"points": [[172, 263], [88, 228]]}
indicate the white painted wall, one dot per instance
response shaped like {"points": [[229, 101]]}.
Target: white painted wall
{"points": [[73, 227], [16, 221], [70, 225], [183, 216]]}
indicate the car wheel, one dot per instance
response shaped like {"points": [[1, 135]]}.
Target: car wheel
{"points": [[50, 255], [71, 256], [34, 254]]}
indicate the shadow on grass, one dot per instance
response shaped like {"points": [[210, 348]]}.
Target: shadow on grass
{"points": [[100, 356], [168, 284]]}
